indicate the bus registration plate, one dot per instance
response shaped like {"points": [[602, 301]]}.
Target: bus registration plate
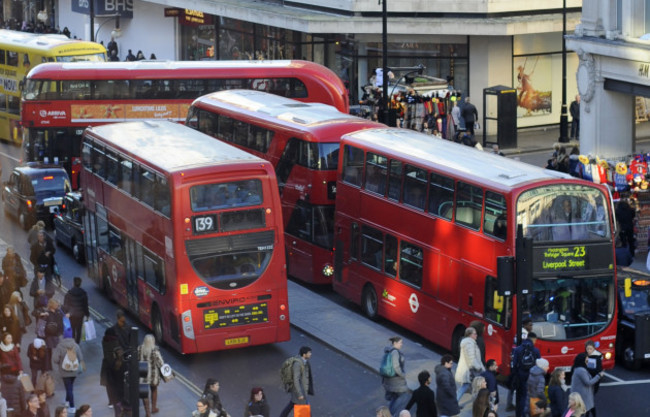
{"points": [[237, 341]]}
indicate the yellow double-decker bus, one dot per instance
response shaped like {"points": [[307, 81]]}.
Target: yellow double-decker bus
{"points": [[20, 52]]}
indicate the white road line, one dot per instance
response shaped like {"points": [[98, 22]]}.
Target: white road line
{"points": [[6, 155], [613, 377], [614, 384]]}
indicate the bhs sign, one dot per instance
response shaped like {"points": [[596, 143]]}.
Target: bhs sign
{"points": [[124, 8]]}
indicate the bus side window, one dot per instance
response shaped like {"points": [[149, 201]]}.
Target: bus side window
{"points": [[163, 197], [410, 264], [469, 204], [372, 243], [2, 56], [112, 168], [126, 178], [12, 58], [415, 187], [395, 180], [352, 165], [354, 241], [495, 216], [390, 255], [376, 173], [441, 196]]}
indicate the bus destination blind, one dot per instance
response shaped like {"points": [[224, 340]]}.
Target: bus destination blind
{"points": [[235, 315], [571, 258]]}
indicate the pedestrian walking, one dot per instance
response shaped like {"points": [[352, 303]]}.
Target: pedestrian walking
{"points": [[557, 393], [257, 405], [150, 353], [203, 409], [10, 354], [423, 397], [20, 310], [469, 362], [32, 234], [69, 361], [537, 388], [469, 114], [111, 374], [53, 328], [61, 411], [211, 396], [574, 110], [37, 354], [446, 388], [139, 56], [41, 254], [75, 304], [121, 330], [481, 404], [397, 392], [583, 383], [13, 268], [130, 56], [41, 286], [576, 407], [6, 289], [12, 390], [301, 380], [10, 324], [490, 375], [523, 359], [479, 326], [31, 406]]}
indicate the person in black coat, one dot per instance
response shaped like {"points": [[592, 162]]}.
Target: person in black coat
{"points": [[625, 217], [41, 254], [75, 304], [469, 115], [557, 393], [490, 375], [424, 397], [446, 387], [112, 370], [521, 374]]}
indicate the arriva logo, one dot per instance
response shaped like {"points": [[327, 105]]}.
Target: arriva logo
{"points": [[56, 113], [231, 301], [42, 113]]}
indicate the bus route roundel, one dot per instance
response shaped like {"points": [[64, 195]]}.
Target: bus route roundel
{"points": [[414, 303]]}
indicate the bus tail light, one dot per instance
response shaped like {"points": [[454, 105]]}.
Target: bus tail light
{"points": [[328, 270], [30, 205], [188, 326]]}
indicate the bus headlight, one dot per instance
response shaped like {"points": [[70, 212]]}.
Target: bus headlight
{"points": [[608, 355], [328, 270]]}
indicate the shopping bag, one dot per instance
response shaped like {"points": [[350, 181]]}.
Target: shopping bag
{"points": [[45, 382], [89, 330], [67, 327], [166, 372], [26, 380], [301, 410]]}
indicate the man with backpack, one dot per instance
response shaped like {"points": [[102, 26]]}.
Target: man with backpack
{"points": [[297, 379], [523, 359]]}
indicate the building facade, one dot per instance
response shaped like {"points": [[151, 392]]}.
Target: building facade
{"points": [[476, 43]]}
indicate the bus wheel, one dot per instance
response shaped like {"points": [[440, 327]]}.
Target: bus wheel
{"points": [[628, 359], [156, 325], [458, 334], [369, 303]]}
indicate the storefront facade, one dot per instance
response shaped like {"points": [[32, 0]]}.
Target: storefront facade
{"points": [[475, 44]]}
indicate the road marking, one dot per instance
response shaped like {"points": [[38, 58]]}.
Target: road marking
{"points": [[614, 384], [613, 377], [6, 155]]}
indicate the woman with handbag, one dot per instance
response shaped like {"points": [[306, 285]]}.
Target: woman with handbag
{"points": [[150, 353]]}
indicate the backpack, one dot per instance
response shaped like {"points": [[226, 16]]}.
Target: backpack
{"points": [[286, 372], [527, 358], [70, 361], [386, 368], [51, 328]]}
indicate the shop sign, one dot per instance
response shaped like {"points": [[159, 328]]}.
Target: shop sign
{"points": [[123, 8]]}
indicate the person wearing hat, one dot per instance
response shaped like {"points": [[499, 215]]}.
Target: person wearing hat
{"points": [[537, 385], [36, 352]]}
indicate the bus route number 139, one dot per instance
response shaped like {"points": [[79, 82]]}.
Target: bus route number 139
{"points": [[204, 224]]}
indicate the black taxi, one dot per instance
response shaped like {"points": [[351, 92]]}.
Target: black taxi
{"points": [[68, 225], [35, 192]]}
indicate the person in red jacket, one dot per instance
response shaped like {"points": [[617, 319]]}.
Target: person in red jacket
{"points": [[10, 354]]}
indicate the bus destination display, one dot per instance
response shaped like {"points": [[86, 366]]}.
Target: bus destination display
{"points": [[235, 315], [571, 258]]}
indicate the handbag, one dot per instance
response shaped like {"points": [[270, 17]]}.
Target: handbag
{"points": [[26, 380], [166, 372], [477, 126], [89, 330], [67, 327]]}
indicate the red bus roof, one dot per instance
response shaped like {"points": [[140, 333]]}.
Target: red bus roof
{"points": [[460, 161], [282, 111], [158, 143]]}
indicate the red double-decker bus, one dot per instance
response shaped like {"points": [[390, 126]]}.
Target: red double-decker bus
{"points": [[60, 100], [428, 232], [301, 140], [186, 233]]}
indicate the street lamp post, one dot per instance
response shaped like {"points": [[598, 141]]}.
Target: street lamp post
{"points": [[564, 122], [384, 40]]}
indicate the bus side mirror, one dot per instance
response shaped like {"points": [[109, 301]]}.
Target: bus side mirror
{"points": [[505, 275], [628, 287]]}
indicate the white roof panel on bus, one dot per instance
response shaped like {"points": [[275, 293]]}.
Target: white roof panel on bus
{"points": [[428, 151], [33, 40], [134, 65], [281, 108], [158, 142]]}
